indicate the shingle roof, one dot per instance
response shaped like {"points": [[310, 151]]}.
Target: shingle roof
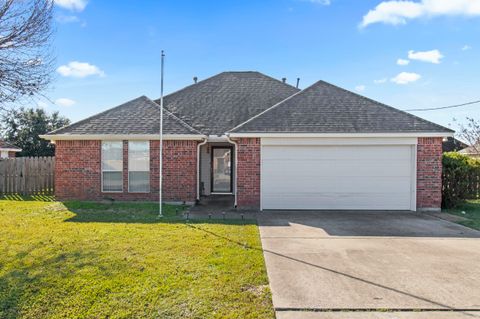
{"points": [[325, 108], [219, 103], [471, 150], [138, 116], [8, 145]]}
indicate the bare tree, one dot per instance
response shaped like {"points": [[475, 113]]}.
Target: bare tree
{"points": [[470, 133], [25, 55]]}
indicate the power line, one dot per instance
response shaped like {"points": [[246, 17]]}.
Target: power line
{"points": [[443, 107]]}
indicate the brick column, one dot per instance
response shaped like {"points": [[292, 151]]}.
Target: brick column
{"points": [[429, 173], [248, 172]]}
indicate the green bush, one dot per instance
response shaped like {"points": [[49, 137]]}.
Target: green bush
{"points": [[460, 178]]}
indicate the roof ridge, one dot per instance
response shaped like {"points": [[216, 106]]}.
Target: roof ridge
{"points": [[189, 86], [267, 110], [384, 105], [186, 125], [96, 115], [275, 79]]}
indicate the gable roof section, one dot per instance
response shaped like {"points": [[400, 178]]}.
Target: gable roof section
{"points": [[217, 104], [138, 116], [326, 108], [9, 146]]}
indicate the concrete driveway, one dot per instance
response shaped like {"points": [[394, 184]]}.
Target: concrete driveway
{"points": [[364, 262]]}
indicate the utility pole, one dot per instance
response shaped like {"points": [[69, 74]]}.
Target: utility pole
{"points": [[160, 171]]}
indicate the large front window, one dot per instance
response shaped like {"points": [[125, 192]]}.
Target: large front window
{"points": [[112, 166], [138, 167]]}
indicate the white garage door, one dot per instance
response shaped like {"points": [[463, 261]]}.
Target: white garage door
{"points": [[337, 177]]}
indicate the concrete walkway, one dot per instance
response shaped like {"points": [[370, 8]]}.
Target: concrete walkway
{"points": [[318, 261]]}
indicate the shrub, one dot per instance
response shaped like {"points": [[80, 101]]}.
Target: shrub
{"points": [[460, 178]]}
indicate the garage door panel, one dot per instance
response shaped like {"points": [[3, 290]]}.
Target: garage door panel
{"points": [[339, 201], [379, 152], [345, 185], [301, 169], [337, 177]]}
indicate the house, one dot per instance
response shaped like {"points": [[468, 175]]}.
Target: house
{"points": [[268, 143], [472, 151], [451, 144], [8, 150]]}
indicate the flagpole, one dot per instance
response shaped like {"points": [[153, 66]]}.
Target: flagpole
{"points": [[160, 176]]}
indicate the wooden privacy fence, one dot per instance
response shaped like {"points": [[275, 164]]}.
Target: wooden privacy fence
{"points": [[27, 175]]}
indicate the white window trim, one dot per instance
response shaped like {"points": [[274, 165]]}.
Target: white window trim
{"points": [[128, 169], [108, 170]]}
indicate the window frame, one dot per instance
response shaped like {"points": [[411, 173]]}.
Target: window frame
{"points": [[149, 169], [102, 170]]}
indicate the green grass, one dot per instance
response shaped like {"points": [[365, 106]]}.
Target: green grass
{"points": [[472, 212], [90, 260]]}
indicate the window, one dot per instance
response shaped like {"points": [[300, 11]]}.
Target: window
{"points": [[112, 166], [138, 167], [4, 154]]}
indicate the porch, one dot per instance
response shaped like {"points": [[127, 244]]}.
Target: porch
{"points": [[216, 175]]}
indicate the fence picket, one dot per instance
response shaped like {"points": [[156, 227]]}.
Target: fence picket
{"points": [[27, 175]]}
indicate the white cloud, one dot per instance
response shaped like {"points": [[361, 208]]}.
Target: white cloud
{"points": [[405, 78], [64, 102], [403, 62], [74, 5], [399, 12], [380, 81], [360, 88], [79, 70], [466, 47], [432, 56]]}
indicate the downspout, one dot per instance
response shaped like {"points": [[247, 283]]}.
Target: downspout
{"points": [[235, 170], [198, 166]]}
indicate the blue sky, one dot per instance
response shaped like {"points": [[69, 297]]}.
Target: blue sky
{"points": [[108, 52]]}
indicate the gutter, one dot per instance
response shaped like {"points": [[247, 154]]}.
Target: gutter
{"points": [[120, 137]]}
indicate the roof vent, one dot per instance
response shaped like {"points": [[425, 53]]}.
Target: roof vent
{"points": [[284, 80], [298, 82], [195, 79]]}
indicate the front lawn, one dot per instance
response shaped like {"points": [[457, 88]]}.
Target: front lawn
{"points": [[472, 212], [86, 260]]}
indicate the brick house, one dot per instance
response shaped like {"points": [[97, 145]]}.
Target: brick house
{"points": [[8, 150], [269, 144]]}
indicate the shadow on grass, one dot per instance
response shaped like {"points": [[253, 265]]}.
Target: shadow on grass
{"points": [[138, 212], [28, 198], [27, 279]]}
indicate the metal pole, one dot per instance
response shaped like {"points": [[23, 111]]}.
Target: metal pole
{"points": [[160, 176]]}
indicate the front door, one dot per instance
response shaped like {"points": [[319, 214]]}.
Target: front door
{"points": [[222, 169]]}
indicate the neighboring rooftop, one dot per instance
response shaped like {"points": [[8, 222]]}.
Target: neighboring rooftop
{"points": [[138, 116], [217, 104], [473, 150], [326, 108], [10, 146]]}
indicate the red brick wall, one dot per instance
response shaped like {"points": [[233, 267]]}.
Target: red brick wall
{"points": [[429, 173], [248, 172], [78, 171], [12, 154]]}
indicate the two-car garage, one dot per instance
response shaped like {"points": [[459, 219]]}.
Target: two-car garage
{"points": [[338, 173]]}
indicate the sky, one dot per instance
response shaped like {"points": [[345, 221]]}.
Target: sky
{"points": [[407, 54]]}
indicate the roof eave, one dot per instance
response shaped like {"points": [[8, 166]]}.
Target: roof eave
{"points": [[287, 134], [120, 137]]}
